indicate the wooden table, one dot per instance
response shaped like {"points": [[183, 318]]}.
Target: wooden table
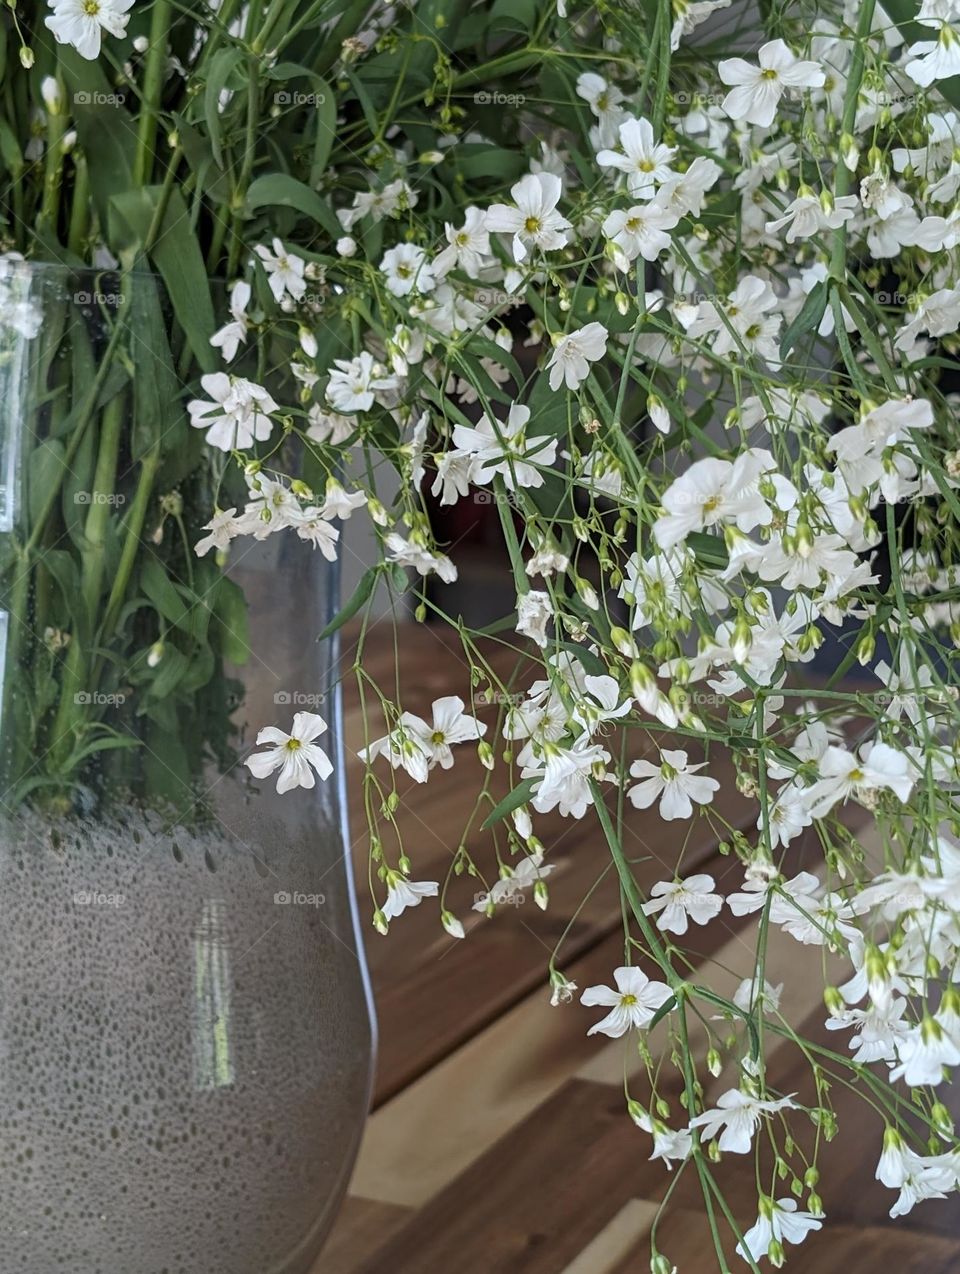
{"points": [[499, 1143]]}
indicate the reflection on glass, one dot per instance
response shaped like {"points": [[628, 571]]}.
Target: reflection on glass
{"points": [[212, 1051]]}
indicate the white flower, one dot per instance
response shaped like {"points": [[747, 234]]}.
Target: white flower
{"points": [[932, 60], [565, 776], [534, 613], [668, 1143], [923, 1054], [766, 998], [779, 1221], [407, 270], [502, 447], [421, 559], [232, 335], [573, 354], [646, 162], [738, 1115], [746, 320], [604, 100], [807, 216], [532, 219], [468, 248], [81, 23], [329, 426], [405, 747], [633, 1003], [284, 271], [403, 893], [758, 89], [450, 725], [676, 783], [714, 490], [295, 755], [843, 775], [354, 383], [640, 231], [237, 416], [917, 1177], [680, 900], [223, 527], [523, 877], [346, 246]]}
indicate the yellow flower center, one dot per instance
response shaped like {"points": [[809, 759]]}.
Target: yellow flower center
{"points": [[532, 225], [293, 745]]}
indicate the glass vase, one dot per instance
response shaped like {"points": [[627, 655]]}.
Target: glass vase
{"points": [[186, 1034]]}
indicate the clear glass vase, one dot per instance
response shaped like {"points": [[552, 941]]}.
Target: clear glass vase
{"points": [[186, 1033]]}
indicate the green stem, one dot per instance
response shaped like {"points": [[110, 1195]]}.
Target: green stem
{"points": [[79, 206], [133, 530], [154, 76], [71, 709]]}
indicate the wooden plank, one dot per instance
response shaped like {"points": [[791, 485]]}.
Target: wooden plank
{"points": [[363, 1225], [535, 1200], [603, 1254], [420, 1141]]}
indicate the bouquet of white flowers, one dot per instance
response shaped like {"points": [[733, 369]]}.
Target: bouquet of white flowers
{"points": [[674, 286]]}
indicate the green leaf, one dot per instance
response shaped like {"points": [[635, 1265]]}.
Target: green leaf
{"points": [[167, 600], [158, 417], [808, 319], [106, 136], [170, 672], [512, 801], [223, 64], [283, 191], [44, 473], [709, 550], [176, 254], [361, 595], [230, 609], [513, 15], [662, 1012]]}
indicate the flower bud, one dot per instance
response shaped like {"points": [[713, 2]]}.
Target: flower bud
{"points": [[452, 925]]}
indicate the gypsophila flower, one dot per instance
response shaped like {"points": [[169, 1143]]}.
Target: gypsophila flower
{"points": [[296, 755]]}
